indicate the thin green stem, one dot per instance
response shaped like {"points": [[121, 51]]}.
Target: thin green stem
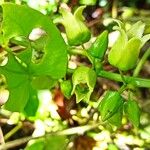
{"points": [[77, 52], [141, 63], [82, 52], [2, 141], [122, 88], [13, 131], [122, 76], [137, 82]]}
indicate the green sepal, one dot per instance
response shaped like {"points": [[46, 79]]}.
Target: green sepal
{"points": [[122, 52], [132, 111], [116, 119], [66, 88], [110, 104], [99, 47], [136, 30], [84, 80], [76, 31]]}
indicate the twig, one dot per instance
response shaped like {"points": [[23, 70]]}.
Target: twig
{"points": [[2, 141], [13, 131], [70, 131], [137, 82]]}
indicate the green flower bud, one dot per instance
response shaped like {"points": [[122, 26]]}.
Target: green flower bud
{"points": [[100, 46], [76, 31], [66, 88], [132, 111], [110, 104], [116, 119], [124, 53], [83, 80]]}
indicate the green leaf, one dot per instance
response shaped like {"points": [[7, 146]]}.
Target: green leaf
{"points": [[110, 104], [100, 45], [136, 30], [18, 23], [18, 84], [43, 82], [66, 88], [32, 104], [83, 80], [34, 144], [116, 119], [52, 142], [132, 111], [23, 20]]}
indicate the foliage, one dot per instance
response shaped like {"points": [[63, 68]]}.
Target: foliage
{"points": [[42, 61]]}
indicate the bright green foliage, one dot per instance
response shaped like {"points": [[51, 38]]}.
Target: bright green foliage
{"points": [[32, 104], [43, 82], [132, 111], [83, 80], [51, 142], [66, 88], [76, 31], [122, 52], [100, 45], [110, 105], [87, 2], [19, 21], [18, 84], [116, 119], [128, 45], [15, 15], [136, 30]]}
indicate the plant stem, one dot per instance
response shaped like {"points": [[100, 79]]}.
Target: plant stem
{"points": [[70, 131], [137, 82], [122, 88], [13, 131], [82, 52], [141, 63], [2, 141], [77, 52], [122, 76], [114, 8]]}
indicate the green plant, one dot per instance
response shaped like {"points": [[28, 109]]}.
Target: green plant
{"points": [[42, 63]]}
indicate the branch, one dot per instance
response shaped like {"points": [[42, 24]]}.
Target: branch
{"points": [[70, 131], [137, 82]]}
